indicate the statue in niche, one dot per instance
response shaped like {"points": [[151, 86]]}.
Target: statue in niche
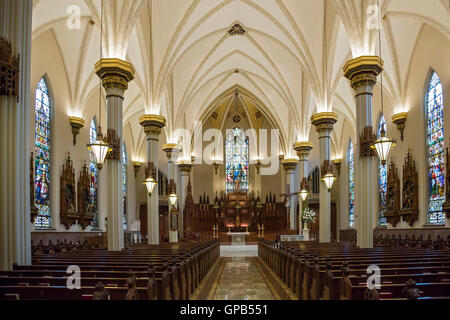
{"points": [[410, 201], [85, 206], [69, 214], [392, 213]]}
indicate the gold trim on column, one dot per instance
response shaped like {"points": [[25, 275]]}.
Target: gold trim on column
{"points": [[303, 148], [324, 120], [171, 149], [152, 123], [115, 73], [289, 164], [185, 166], [363, 70]]}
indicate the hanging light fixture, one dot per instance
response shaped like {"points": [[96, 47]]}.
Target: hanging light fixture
{"points": [[150, 181], [383, 144], [100, 148], [327, 175], [172, 193], [304, 189]]}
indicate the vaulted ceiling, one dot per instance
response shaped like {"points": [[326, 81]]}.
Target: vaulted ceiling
{"points": [[289, 54]]}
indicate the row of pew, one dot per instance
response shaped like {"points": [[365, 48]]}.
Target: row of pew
{"points": [[151, 272], [412, 242], [338, 271]]}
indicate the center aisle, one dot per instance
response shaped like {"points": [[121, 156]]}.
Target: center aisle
{"points": [[241, 280]]}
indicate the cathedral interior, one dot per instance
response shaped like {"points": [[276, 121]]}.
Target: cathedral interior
{"points": [[224, 149]]}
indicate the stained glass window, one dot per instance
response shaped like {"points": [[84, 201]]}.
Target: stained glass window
{"points": [[236, 157], [124, 185], [435, 144], [351, 186], [93, 171], [382, 178], [42, 155]]}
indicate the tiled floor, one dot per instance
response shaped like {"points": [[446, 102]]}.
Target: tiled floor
{"points": [[241, 280]]}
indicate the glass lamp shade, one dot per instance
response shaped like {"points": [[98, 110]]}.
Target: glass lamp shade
{"points": [[100, 149], [303, 194], [150, 183], [173, 199], [383, 145], [329, 179]]}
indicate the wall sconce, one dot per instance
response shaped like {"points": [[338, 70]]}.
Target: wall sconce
{"points": [[76, 123], [400, 119], [337, 164], [137, 165], [258, 165], [216, 166]]}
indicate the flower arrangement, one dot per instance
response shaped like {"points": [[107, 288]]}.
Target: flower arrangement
{"points": [[308, 215]]}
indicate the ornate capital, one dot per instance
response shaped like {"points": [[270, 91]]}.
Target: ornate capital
{"points": [[172, 150], [363, 71], [185, 166], [9, 70], [289, 164], [303, 148], [324, 121], [152, 124], [115, 73], [366, 140]]}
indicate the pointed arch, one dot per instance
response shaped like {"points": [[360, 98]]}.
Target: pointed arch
{"points": [[351, 185], [93, 174], [382, 177], [236, 161], [434, 116], [124, 185], [42, 150]]}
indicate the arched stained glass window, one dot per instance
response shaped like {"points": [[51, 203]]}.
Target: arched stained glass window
{"points": [[124, 185], [382, 178], [42, 155], [435, 144], [351, 186], [93, 171], [236, 157]]}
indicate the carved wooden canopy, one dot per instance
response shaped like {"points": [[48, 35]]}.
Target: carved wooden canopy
{"points": [[68, 207], [84, 198], [9, 70], [410, 194], [392, 213]]}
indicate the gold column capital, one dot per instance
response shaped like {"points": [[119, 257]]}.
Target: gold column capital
{"points": [[363, 70], [115, 73], [324, 121], [152, 123], [171, 150], [303, 148], [185, 166], [289, 164]]}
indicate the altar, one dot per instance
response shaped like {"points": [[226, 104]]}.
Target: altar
{"points": [[238, 238]]}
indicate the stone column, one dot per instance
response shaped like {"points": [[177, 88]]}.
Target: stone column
{"points": [[303, 149], [15, 220], [152, 125], [172, 151], [324, 125], [185, 170], [289, 165], [362, 73], [115, 75]]}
